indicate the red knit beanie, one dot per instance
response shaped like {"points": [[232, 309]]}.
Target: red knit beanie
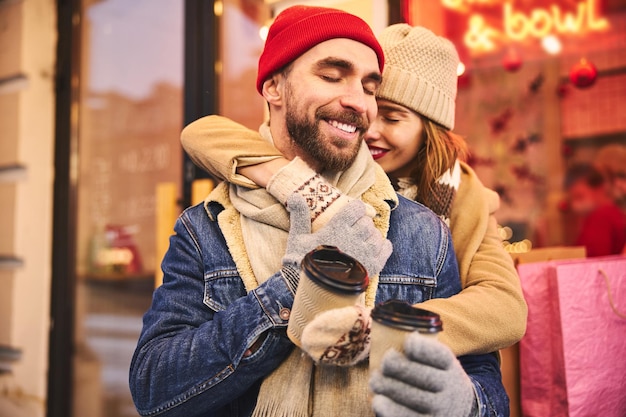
{"points": [[299, 28]]}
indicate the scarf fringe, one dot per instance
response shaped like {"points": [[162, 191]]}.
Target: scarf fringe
{"points": [[286, 391], [274, 408]]}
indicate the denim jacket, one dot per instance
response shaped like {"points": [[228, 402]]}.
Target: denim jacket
{"points": [[193, 356]]}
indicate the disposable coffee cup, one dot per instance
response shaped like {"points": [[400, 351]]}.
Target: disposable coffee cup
{"points": [[329, 279], [392, 321]]}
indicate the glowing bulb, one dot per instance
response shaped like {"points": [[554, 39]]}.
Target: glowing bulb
{"points": [[460, 69], [263, 32], [218, 8], [551, 44]]}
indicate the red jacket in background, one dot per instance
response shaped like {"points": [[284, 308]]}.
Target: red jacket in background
{"points": [[604, 231]]}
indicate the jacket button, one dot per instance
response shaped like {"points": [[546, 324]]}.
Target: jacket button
{"points": [[284, 313]]}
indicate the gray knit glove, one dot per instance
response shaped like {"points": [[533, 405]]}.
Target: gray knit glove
{"points": [[427, 380], [351, 230]]}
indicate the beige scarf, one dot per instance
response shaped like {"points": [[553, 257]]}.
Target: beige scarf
{"points": [[298, 388]]}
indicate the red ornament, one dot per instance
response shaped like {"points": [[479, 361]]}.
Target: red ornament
{"points": [[562, 89], [567, 151], [563, 206], [583, 74], [512, 61]]}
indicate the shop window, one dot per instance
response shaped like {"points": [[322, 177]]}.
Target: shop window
{"points": [[241, 40], [130, 113]]}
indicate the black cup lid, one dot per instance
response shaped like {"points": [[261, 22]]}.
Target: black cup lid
{"points": [[335, 270], [402, 315]]}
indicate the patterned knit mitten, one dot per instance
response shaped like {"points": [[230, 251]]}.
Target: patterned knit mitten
{"points": [[339, 337], [323, 199]]}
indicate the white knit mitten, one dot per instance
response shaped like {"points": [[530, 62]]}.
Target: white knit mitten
{"points": [[339, 337], [323, 199]]}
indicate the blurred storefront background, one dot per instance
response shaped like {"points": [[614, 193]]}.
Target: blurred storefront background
{"points": [[542, 86]]}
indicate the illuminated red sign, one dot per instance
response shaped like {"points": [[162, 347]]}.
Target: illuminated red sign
{"points": [[516, 24]]}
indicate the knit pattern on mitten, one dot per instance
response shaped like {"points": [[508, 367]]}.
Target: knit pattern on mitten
{"points": [[339, 337], [323, 200]]}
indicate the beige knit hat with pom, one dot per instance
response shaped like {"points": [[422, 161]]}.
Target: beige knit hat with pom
{"points": [[420, 72]]}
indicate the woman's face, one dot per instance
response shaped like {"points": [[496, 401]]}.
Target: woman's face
{"points": [[394, 138]]}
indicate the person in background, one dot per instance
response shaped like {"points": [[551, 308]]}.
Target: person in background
{"points": [[412, 139], [611, 162], [213, 341], [603, 230]]}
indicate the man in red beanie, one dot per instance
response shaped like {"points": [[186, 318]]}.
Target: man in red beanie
{"points": [[297, 45], [215, 340]]}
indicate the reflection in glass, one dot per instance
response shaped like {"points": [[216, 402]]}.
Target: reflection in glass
{"points": [[240, 47], [130, 117]]}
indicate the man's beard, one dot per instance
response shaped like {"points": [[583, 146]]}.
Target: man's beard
{"points": [[329, 153]]}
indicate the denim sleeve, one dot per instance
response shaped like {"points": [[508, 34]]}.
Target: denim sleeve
{"points": [[190, 360], [448, 279], [484, 371]]}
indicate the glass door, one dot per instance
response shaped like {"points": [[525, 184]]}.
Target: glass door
{"points": [[130, 114]]}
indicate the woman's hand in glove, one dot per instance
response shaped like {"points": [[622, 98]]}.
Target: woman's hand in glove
{"points": [[425, 380]]}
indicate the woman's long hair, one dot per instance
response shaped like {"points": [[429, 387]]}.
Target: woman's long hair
{"points": [[438, 153]]}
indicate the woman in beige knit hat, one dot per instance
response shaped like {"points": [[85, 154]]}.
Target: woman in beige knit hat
{"points": [[411, 139]]}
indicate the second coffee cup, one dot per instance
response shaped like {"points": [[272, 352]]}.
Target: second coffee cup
{"points": [[329, 279], [392, 321]]}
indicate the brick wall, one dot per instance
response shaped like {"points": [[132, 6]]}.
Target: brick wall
{"points": [[596, 111]]}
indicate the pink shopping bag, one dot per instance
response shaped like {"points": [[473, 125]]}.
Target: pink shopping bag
{"points": [[572, 357], [542, 379], [592, 302]]}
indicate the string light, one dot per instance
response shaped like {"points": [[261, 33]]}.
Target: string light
{"points": [[218, 8], [518, 247], [551, 44], [263, 32], [460, 69]]}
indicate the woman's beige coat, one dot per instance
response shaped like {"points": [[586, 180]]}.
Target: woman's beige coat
{"points": [[488, 315]]}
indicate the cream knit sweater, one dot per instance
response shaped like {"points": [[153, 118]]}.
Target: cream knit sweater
{"points": [[488, 315]]}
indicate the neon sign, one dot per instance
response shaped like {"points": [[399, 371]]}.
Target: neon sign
{"points": [[519, 26], [460, 4]]}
